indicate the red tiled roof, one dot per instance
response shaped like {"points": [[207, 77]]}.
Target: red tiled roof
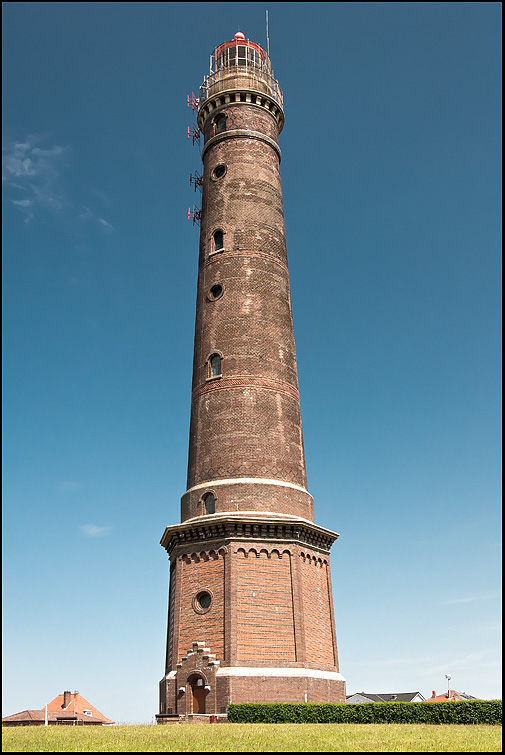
{"points": [[77, 704], [453, 697]]}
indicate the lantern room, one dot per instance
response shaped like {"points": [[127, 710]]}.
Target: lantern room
{"points": [[239, 65], [240, 52]]}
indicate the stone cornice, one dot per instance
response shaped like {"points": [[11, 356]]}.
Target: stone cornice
{"points": [[247, 526], [240, 96]]}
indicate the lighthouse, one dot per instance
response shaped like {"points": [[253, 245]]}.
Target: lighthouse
{"points": [[250, 615]]}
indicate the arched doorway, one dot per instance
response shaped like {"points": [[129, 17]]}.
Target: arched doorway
{"points": [[198, 694]]}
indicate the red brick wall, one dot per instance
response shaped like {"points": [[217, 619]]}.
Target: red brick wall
{"points": [[201, 571], [316, 608], [265, 627], [171, 611], [266, 689]]}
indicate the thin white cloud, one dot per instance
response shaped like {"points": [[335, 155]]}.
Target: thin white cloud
{"points": [[87, 214], [92, 530], [35, 173], [107, 226], [465, 662], [472, 598], [428, 663], [32, 176], [48, 153], [389, 662]]}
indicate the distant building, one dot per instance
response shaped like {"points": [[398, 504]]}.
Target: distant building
{"points": [[69, 709], [38, 718], [385, 697], [451, 695]]}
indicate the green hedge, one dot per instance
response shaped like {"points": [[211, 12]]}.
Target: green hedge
{"points": [[464, 712]]}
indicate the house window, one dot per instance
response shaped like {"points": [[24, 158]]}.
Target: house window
{"points": [[218, 240], [210, 503], [220, 123], [214, 366]]}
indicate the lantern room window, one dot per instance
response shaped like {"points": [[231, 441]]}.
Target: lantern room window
{"points": [[241, 55]]}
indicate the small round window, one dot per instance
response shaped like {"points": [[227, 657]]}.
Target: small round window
{"points": [[202, 601], [215, 292], [219, 170]]}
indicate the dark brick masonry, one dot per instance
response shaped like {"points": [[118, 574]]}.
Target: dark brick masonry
{"points": [[251, 612]]}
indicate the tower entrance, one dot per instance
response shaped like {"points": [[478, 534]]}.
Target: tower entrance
{"points": [[198, 694]]}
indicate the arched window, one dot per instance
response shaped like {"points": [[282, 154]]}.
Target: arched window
{"points": [[220, 123], [218, 240], [210, 503], [215, 365]]}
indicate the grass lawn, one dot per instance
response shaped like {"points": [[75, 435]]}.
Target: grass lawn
{"points": [[254, 738]]}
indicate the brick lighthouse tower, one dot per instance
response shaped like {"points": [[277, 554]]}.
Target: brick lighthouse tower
{"points": [[250, 604]]}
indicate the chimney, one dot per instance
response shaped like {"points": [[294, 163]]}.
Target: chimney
{"points": [[67, 697], [433, 693]]}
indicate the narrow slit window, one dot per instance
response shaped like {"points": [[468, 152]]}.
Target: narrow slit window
{"points": [[220, 123], [218, 240], [210, 503], [215, 365]]}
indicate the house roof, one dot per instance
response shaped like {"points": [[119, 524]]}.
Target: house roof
{"points": [[76, 704], [34, 716], [386, 697], [454, 696]]}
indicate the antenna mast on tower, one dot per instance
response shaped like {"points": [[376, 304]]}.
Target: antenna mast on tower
{"points": [[268, 40]]}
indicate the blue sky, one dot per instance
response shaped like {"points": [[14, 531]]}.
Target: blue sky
{"points": [[391, 184]]}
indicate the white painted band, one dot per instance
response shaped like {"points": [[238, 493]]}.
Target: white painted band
{"points": [[281, 672], [248, 481], [242, 133]]}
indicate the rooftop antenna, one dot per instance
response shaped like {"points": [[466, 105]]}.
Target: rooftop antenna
{"points": [[448, 677], [268, 40]]}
